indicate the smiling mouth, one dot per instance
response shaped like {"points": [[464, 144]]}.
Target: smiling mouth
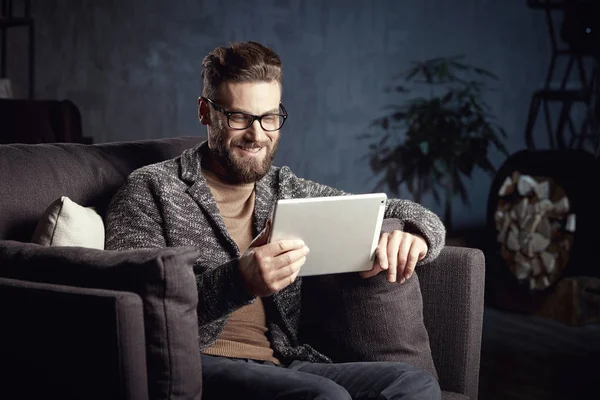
{"points": [[250, 150]]}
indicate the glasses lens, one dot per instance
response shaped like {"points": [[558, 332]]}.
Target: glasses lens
{"points": [[239, 121], [272, 122]]}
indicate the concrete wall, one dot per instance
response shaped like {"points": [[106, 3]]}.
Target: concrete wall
{"points": [[132, 66]]}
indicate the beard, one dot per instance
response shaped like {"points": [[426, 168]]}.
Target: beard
{"points": [[237, 169]]}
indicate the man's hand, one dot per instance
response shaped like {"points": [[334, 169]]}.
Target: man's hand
{"points": [[269, 267], [397, 253]]}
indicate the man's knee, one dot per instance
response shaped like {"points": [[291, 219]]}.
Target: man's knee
{"points": [[325, 389], [430, 385], [414, 384]]}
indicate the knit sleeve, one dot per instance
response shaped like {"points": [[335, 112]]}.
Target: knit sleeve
{"points": [[411, 217], [416, 219], [133, 220], [221, 291]]}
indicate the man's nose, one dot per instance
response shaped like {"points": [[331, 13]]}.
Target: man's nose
{"points": [[256, 131]]}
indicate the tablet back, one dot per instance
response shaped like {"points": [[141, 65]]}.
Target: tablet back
{"points": [[342, 232]]}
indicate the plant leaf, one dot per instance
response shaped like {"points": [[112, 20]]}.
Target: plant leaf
{"points": [[466, 164], [486, 165], [375, 163], [484, 72], [447, 97], [443, 137], [459, 187], [414, 71], [391, 179]]}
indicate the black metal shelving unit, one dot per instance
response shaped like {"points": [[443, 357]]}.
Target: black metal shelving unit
{"points": [[9, 20], [585, 92]]}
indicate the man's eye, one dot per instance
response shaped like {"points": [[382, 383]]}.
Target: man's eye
{"points": [[270, 118], [238, 117]]}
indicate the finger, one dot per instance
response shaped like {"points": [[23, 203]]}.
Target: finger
{"points": [[285, 276], [418, 250], [402, 256], [284, 259], [381, 251], [295, 275], [280, 247], [372, 272], [392, 254], [411, 262], [422, 246]]}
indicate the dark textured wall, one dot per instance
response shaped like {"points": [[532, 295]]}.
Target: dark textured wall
{"points": [[132, 66]]}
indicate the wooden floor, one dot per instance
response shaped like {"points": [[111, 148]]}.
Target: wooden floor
{"points": [[528, 357]]}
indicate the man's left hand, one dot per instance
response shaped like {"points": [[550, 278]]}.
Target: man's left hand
{"points": [[397, 253]]}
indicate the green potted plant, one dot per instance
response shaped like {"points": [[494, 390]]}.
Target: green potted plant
{"points": [[433, 143]]}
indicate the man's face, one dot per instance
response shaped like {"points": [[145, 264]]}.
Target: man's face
{"points": [[243, 156]]}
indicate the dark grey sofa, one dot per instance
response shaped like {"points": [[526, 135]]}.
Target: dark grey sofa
{"points": [[49, 347]]}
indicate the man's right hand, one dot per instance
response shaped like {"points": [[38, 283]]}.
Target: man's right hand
{"points": [[269, 267]]}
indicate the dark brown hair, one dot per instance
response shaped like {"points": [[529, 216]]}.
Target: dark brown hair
{"points": [[240, 62]]}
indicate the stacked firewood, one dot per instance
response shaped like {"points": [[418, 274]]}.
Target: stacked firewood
{"points": [[535, 228]]}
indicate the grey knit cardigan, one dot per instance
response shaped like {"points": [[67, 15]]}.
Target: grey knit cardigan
{"points": [[169, 204]]}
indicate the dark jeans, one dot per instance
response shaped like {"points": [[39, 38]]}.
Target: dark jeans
{"points": [[227, 378]]}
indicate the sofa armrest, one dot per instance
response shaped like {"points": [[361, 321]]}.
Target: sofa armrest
{"points": [[69, 342], [453, 288]]}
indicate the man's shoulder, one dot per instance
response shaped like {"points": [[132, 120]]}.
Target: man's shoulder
{"points": [[291, 185], [279, 175], [282, 171], [163, 171], [288, 183]]}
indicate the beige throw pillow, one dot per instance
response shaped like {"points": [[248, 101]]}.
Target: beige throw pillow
{"points": [[66, 223]]}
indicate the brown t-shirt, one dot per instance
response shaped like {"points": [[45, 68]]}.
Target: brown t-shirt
{"points": [[244, 334]]}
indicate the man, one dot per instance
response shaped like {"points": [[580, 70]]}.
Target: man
{"points": [[218, 197]]}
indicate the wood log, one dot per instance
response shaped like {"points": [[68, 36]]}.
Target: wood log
{"points": [[535, 229]]}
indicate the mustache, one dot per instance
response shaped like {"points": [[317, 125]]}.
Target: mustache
{"points": [[250, 145]]}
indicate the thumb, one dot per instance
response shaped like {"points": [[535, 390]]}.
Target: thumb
{"points": [[263, 237]]}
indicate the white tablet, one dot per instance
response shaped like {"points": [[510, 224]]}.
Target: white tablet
{"points": [[342, 232]]}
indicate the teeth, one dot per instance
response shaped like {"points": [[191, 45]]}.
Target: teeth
{"points": [[251, 149]]}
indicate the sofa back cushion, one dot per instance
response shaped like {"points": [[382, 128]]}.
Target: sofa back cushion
{"points": [[32, 176]]}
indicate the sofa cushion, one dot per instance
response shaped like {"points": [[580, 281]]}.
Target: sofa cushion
{"points": [[46, 334], [349, 318], [87, 174], [163, 278], [66, 223]]}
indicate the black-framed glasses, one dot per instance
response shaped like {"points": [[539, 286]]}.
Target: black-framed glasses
{"points": [[240, 120]]}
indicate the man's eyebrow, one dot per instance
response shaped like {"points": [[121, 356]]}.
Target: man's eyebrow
{"points": [[271, 111]]}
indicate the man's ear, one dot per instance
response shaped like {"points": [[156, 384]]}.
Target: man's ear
{"points": [[203, 111]]}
